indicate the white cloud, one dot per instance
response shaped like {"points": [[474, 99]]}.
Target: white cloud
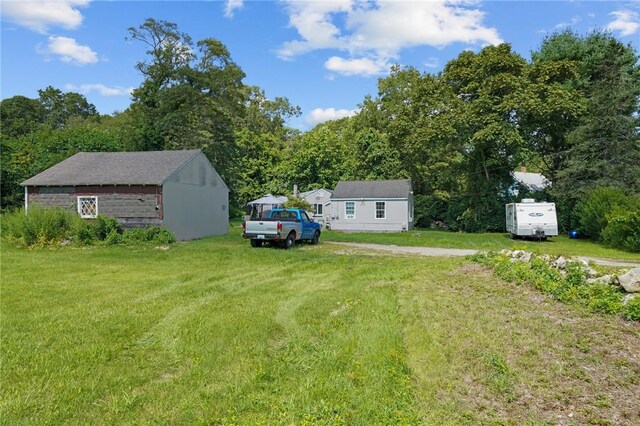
{"points": [[432, 62], [379, 30], [355, 66], [100, 88], [320, 115], [574, 21], [231, 7], [626, 21], [70, 51], [39, 15]]}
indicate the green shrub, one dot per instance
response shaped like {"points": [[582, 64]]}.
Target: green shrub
{"points": [[150, 234], [84, 231], [106, 225], [623, 230], [598, 205], [113, 238], [38, 227], [631, 310]]}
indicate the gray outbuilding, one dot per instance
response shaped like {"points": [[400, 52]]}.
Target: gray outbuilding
{"points": [[377, 205], [178, 189]]}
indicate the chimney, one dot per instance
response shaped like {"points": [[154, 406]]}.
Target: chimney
{"points": [[523, 169], [295, 190]]}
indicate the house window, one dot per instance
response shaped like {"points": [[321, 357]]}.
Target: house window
{"points": [[350, 210], [381, 210], [88, 207], [317, 208]]}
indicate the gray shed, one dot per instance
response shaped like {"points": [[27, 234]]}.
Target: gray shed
{"points": [[178, 189], [376, 205]]}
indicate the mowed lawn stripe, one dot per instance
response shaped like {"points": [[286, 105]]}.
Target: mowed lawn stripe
{"points": [[210, 330]]}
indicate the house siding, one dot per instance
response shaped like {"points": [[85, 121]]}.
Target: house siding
{"points": [[131, 205], [320, 196], [398, 216], [196, 201]]}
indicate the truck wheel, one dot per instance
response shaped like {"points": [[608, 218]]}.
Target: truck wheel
{"points": [[256, 243], [290, 241], [316, 238]]}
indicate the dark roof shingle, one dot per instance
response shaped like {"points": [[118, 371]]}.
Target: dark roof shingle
{"points": [[113, 168], [400, 188]]}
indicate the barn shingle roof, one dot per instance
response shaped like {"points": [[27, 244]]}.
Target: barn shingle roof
{"points": [[400, 188], [113, 168]]}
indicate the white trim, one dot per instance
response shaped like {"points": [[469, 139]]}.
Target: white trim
{"points": [[79, 205], [26, 199], [375, 210], [347, 215]]}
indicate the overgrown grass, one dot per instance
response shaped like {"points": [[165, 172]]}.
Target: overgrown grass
{"points": [[485, 242], [216, 332]]}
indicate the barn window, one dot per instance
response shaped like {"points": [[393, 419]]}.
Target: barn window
{"points": [[381, 210], [318, 208], [350, 210], [88, 207]]}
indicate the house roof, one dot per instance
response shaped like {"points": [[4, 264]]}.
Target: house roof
{"points": [[400, 188], [533, 181], [114, 168], [307, 193]]}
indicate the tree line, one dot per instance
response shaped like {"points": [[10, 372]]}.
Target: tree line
{"points": [[570, 113]]}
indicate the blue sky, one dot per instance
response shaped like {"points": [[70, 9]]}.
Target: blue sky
{"points": [[325, 56]]}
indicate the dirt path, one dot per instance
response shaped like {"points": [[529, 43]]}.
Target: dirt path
{"points": [[444, 252]]}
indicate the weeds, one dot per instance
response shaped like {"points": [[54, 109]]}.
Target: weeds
{"points": [[571, 288]]}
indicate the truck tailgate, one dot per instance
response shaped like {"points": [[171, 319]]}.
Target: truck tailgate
{"points": [[262, 227]]}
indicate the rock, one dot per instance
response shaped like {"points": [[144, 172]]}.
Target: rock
{"points": [[590, 272], [505, 251], [628, 298], [560, 263], [605, 279], [630, 281], [517, 253], [526, 256]]}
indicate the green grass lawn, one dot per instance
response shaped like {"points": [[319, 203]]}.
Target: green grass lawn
{"points": [[485, 241], [215, 332]]}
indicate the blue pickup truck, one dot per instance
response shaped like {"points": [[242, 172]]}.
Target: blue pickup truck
{"points": [[282, 226]]}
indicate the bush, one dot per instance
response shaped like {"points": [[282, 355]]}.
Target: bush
{"points": [[631, 310], [150, 234], [47, 226], [598, 205], [40, 227], [623, 231]]}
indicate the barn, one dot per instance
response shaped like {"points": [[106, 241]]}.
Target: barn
{"points": [[375, 205], [177, 189]]}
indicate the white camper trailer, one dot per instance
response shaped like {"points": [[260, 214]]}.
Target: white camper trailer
{"points": [[531, 219]]}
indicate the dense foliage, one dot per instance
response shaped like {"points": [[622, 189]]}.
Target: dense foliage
{"points": [[570, 113]]}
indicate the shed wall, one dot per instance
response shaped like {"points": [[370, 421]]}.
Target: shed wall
{"points": [[398, 216], [131, 205], [196, 201]]}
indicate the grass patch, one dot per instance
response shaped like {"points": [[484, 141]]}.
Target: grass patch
{"points": [[213, 331], [559, 245]]}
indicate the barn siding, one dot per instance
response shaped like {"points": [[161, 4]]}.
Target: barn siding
{"points": [[122, 202]]}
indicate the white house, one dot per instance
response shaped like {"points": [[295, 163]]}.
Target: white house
{"points": [[532, 181], [379, 206], [320, 200]]}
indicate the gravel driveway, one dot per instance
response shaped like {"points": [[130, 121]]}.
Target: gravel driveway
{"points": [[435, 251]]}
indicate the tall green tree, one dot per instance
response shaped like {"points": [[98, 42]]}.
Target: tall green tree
{"points": [[602, 147]]}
